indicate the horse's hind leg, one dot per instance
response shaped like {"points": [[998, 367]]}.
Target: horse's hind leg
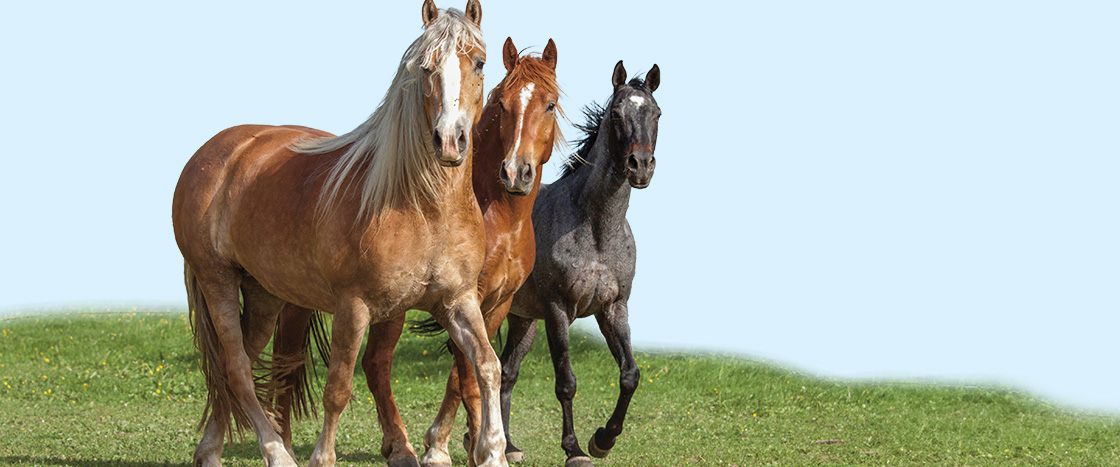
{"points": [[351, 318], [519, 340], [615, 327], [292, 332], [224, 309], [378, 366], [257, 321]]}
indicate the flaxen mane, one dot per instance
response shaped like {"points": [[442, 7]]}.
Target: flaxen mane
{"points": [[389, 157]]}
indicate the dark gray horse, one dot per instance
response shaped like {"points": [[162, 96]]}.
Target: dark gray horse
{"points": [[585, 255]]}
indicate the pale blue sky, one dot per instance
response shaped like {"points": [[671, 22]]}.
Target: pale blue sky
{"points": [[853, 189]]}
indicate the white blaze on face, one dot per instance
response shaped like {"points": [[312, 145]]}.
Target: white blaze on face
{"points": [[452, 82], [526, 95], [638, 100]]}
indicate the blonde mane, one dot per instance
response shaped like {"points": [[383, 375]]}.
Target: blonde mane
{"points": [[390, 157]]}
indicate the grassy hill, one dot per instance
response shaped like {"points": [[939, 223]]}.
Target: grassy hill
{"points": [[98, 389]]}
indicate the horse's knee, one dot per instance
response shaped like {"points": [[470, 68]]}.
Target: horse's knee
{"points": [[369, 362], [490, 370], [509, 376], [628, 379], [566, 388], [336, 398]]}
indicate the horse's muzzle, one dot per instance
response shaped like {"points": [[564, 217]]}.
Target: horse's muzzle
{"points": [[639, 169]]}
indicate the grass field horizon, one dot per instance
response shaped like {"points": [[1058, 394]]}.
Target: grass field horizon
{"points": [[96, 387]]}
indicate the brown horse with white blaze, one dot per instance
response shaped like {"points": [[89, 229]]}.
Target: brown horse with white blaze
{"points": [[365, 226], [514, 138]]}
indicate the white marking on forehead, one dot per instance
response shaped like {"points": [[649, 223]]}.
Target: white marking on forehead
{"points": [[638, 100], [452, 83], [526, 95]]}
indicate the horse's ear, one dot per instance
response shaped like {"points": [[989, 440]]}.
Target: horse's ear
{"points": [[549, 55], [474, 12], [653, 78], [619, 77], [509, 54], [429, 12]]}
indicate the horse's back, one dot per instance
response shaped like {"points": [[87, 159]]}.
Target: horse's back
{"points": [[209, 192]]}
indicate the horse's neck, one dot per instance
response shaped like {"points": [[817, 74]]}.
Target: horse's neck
{"points": [[604, 195], [452, 197]]}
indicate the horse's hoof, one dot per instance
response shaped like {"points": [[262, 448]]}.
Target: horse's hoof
{"points": [[467, 442], [578, 461], [435, 458], [515, 456], [406, 461], [594, 449]]}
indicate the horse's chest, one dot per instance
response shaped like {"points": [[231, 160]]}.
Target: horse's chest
{"points": [[593, 285], [421, 277], [509, 260]]}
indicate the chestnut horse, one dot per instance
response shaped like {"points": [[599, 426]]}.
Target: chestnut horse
{"points": [[586, 255], [515, 137], [365, 226]]}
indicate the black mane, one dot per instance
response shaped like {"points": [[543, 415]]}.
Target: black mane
{"points": [[593, 118], [593, 115]]}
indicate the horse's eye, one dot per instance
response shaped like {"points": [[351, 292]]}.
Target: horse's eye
{"points": [[551, 107], [478, 65]]}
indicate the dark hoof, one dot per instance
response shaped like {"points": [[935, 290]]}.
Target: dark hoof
{"points": [[578, 461], [516, 456], [467, 442], [594, 449], [404, 462]]}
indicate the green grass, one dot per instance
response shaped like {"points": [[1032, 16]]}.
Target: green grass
{"points": [[105, 389]]}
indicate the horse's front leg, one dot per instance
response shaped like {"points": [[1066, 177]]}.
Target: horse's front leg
{"points": [[556, 326], [468, 386], [615, 327], [378, 366], [464, 323], [350, 321]]}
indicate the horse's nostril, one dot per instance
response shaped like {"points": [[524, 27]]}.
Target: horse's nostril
{"points": [[526, 173], [437, 142], [632, 162]]}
